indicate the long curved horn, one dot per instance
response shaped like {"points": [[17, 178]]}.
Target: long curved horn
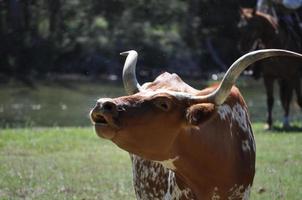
{"points": [[131, 84], [219, 95]]}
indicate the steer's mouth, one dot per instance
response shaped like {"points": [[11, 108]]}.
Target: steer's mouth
{"points": [[105, 125], [101, 121]]}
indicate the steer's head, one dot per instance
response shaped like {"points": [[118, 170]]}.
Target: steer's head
{"points": [[148, 121]]}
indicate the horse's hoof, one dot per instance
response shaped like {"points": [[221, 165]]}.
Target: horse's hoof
{"points": [[267, 127], [286, 126]]}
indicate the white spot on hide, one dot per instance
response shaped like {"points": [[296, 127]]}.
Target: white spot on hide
{"points": [[153, 181], [178, 95], [174, 192], [169, 163], [247, 192], [215, 195], [240, 116], [245, 145], [240, 192], [224, 111], [237, 114]]}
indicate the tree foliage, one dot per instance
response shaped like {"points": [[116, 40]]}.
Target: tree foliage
{"points": [[76, 36]]}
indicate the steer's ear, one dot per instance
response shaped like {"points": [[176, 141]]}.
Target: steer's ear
{"points": [[199, 113]]}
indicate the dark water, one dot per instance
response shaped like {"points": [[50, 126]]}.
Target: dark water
{"points": [[68, 103]]}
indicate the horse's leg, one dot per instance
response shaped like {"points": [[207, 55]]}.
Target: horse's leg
{"points": [[269, 87], [297, 88], [286, 94]]}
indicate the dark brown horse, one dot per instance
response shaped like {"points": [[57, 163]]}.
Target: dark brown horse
{"points": [[259, 30]]}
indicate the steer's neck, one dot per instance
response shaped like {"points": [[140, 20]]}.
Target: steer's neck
{"points": [[205, 162]]}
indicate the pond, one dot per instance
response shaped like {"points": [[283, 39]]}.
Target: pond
{"points": [[63, 103], [67, 103]]}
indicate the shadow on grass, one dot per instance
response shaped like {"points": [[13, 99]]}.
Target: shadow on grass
{"points": [[291, 129]]}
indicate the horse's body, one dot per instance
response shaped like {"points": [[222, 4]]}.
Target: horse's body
{"points": [[259, 30]]}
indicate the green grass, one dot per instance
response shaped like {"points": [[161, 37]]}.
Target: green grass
{"points": [[62, 163], [73, 163], [278, 165]]}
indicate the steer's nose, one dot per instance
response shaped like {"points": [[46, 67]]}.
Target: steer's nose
{"points": [[104, 112], [108, 106]]}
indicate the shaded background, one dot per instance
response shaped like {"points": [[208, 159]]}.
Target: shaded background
{"points": [[45, 37], [59, 56]]}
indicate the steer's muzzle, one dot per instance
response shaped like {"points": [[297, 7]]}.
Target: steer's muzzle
{"points": [[104, 114]]}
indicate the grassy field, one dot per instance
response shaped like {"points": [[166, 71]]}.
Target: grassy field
{"points": [[62, 163], [73, 163]]}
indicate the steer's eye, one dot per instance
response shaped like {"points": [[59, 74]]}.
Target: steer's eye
{"points": [[163, 103]]}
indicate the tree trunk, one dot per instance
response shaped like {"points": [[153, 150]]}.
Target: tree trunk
{"points": [[55, 19]]}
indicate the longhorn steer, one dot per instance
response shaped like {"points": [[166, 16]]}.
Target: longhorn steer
{"points": [[186, 143]]}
